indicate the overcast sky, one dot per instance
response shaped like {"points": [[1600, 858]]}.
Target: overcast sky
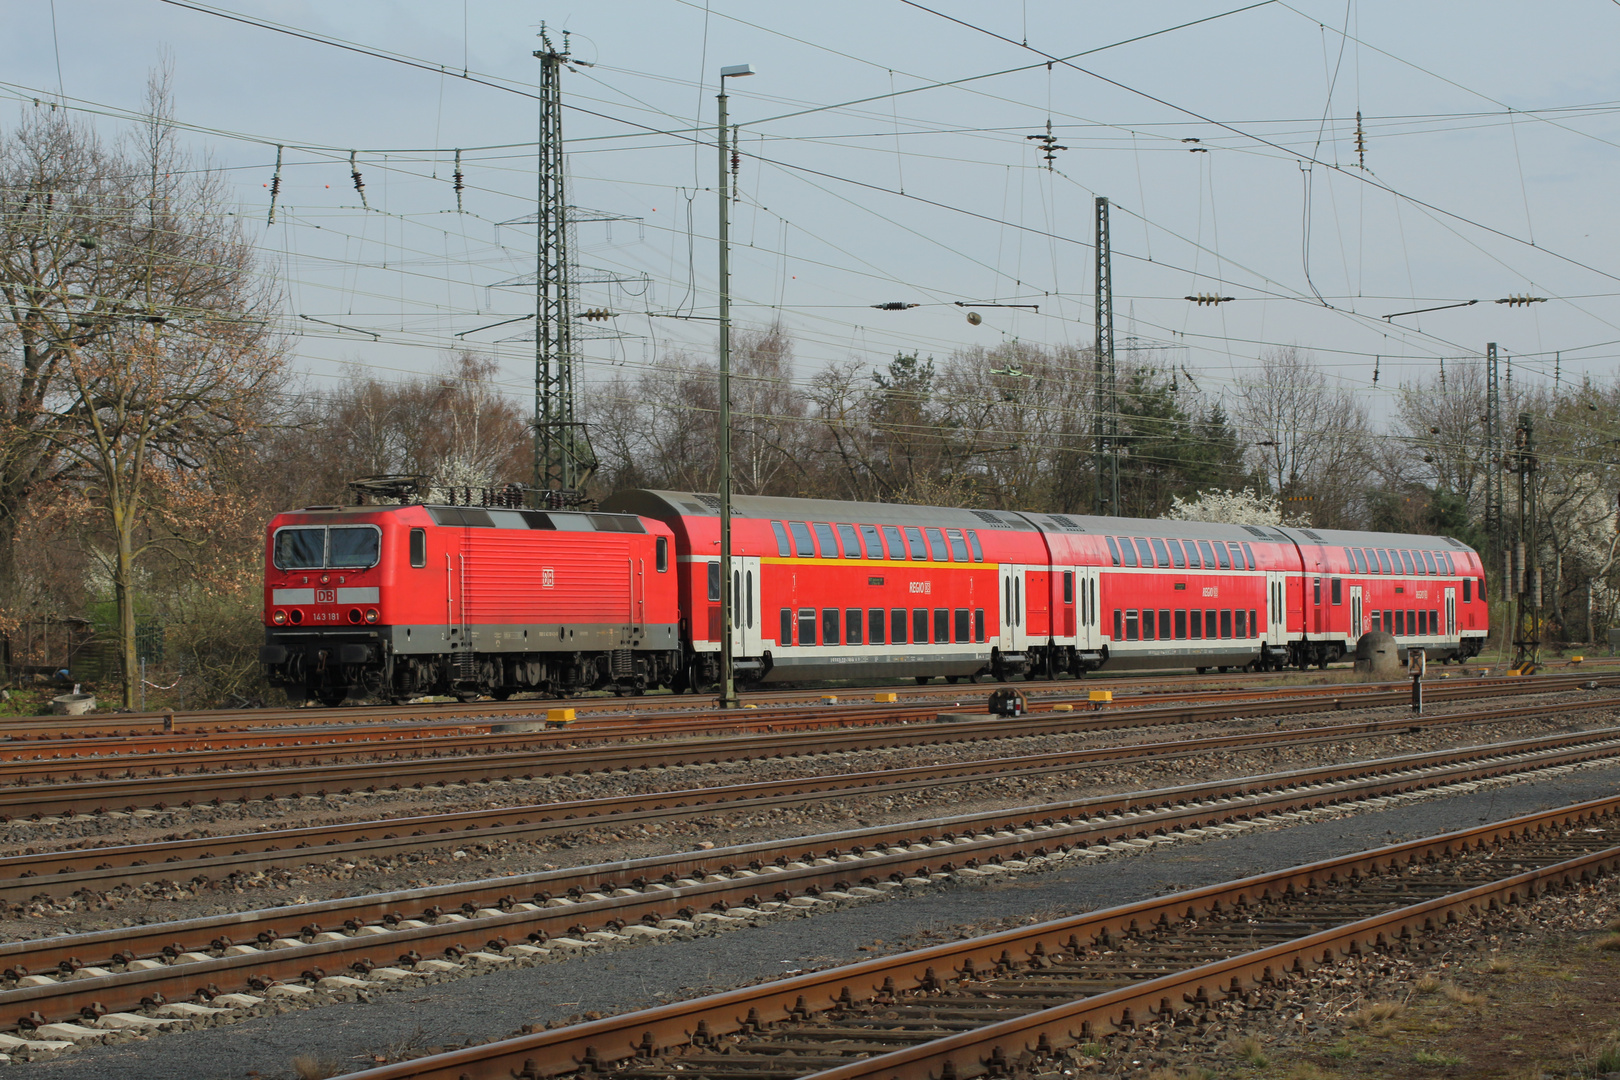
{"points": [[1490, 133]]}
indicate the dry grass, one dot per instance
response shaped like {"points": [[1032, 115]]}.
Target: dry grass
{"points": [[1248, 1050], [310, 1067], [1426, 985], [1499, 965], [1611, 943], [1461, 996], [1375, 1012], [1437, 1058]]}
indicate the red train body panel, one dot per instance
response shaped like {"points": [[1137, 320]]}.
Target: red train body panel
{"points": [[397, 601]]}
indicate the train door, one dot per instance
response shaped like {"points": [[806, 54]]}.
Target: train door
{"points": [[1276, 608], [1014, 638], [745, 621], [1451, 613], [458, 628], [1086, 636], [1357, 628]]}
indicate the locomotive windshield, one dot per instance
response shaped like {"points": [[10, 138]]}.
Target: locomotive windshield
{"points": [[338, 547]]}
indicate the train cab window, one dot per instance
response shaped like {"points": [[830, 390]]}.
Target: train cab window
{"points": [[1237, 555], [824, 535], [919, 626], [978, 625], [1147, 624], [1377, 623], [936, 546], [1129, 549], [807, 626], [782, 547], [714, 582], [785, 636], [1248, 554], [973, 542], [1068, 586], [802, 544], [1132, 625], [942, 625], [1193, 562], [1226, 623], [1338, 591], [1242, 626], [1221, 556], [1468, 590], [914, 537], [1196, 619], [852, 543], [1144, 551], [852, 626], [1160, 552], [1428, 560], [874, 541], [874, 626], [897, 626], [829, 626], [419, 547], [660, 554], [1176, 558], [1113, 549], [1383, 560], [897, 545], [959, 549], [1406, 561]]}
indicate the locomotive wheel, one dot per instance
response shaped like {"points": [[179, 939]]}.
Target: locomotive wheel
{"points": [[951, 679]]}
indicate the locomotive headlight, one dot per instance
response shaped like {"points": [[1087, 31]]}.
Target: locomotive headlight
{"points": [[279, 618], [371, 615]]}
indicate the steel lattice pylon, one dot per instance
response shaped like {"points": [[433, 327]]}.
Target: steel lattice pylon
{"points": [[563, 460]]}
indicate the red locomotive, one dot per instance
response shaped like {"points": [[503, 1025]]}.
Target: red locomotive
{"points": [[409, 600]]}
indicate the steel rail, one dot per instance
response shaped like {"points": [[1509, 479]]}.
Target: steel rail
{"points": [[99, 796], [379, 929], [596, 1044], [670, 709], [62, 873]]}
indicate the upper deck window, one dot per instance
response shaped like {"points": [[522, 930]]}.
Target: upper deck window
{"points": [[959, 550], [314, 547], [1175, 554], [781, 539], [1161, 552], [936, 545], [919, 550], [1113, 549], [829, 546], [803, 545], [852, 543], [978, 552], [1193, 561], [897, 546], [874, 545]]}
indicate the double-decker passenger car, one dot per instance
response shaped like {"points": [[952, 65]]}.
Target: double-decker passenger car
{"points": [[407, 600]]}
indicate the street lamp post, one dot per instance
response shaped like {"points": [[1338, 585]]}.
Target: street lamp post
{"points": [[728, 599]]}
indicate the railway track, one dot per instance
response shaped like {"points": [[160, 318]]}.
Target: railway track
{"points": [[44, 789], [1018, 999], [365, 941], [607, 709], [65, 872]]}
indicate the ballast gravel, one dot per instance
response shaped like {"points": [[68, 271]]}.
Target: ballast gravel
{"points": [[390, 1023]]}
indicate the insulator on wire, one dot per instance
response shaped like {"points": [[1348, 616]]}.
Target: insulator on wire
{"points": [[275, 188], [458, 185], [596, 314], [1201, 299], [359, 184]]}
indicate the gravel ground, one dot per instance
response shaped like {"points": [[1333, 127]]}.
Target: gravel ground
{"points": [[347, 1035], [466, 858]]}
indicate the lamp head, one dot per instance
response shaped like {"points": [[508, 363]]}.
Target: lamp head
{"points": [[736, 71]]}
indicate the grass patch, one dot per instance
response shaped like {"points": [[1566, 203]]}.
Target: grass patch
{"points": [[1375, 1015], [1092, 1050], [1437, 1058], [1249, 1050], [1499, 965], [1461, 996], [1426, 985], [1340, 1051], [1611, 943]]}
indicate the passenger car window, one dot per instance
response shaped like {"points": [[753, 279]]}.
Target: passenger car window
{"points": [[1129, 549], [852, 543], [1161, 552], [959, 551], [874, 541], [829, 546], [1145, 552], [1209, 559], [919, 550], [936, 546], [1175, 554], [897, 546], [1193, 562], [781, 539], [802, 544], [1113, 549], [973, 542]]}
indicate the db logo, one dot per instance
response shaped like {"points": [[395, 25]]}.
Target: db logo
{"points": [[548, 577], [326, 596], [922, 587]]}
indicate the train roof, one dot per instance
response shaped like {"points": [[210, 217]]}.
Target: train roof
{"points": [[665, 504], [481, 517]]}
